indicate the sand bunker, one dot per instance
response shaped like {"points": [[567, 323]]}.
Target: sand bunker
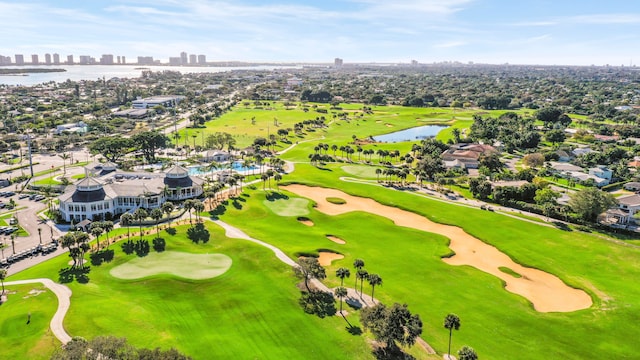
{"points": [[546, 292], [326, 257], [388, 125], [336, 239], [184, 265], [306, 221]]}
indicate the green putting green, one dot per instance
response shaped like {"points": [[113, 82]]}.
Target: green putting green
{"points": [[184, 265], [288, 207]]}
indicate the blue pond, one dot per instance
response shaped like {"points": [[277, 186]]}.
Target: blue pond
{"points": [[412, 134], [204, 170]]}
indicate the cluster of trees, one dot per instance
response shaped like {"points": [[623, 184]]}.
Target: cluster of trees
{"points": [[513, 131], [113, 148], [110, 347], [321, 96]]}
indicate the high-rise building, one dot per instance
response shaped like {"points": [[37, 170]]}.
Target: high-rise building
{"points": [[119, 59], [192, 59], [69, 59], [56, 59], [175, 61], [5, 60], [47, 59], [145, 60], [183, 58], [19, 59], [124, 60], [106, 59], [86, 60], [34, 59], [202, 59], [337, 62]]}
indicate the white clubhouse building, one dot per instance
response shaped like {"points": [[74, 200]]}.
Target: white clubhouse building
{"points": [[115, 192]]}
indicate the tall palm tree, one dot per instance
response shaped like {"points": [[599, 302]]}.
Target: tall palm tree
{"points": [[167, 208], [362, 274], [277, 177], [341, 292], [188, 205], [198, 207], [358, 264], [140, 214], [125, 220], [107, 226], [374, 280], [343, 273], [64, 157], [156, 214], [96, 231], [451, 321]]}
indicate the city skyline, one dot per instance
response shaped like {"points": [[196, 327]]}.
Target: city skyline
{"points": [[482, 31]]}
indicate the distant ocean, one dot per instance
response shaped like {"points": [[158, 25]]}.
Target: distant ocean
{"points": [[95, 72]]}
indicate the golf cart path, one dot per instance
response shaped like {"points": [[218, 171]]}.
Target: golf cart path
{"points": [[63, 294]]}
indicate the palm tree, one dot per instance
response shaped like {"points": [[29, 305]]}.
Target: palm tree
{"points": [[358, 264], [96, 231], [107, 226], [125, 220], [451, 321], [342, 273], [374, 280], [467, 353], [156, 214], [3, 275], [341, 292], [198, 207], [188, 205], [277, 177], [362, 274], [140, 214], [167, 208], [64, 157], [264, 178]]}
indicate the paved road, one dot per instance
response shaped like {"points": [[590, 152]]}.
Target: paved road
{"points": [[63, 294]]}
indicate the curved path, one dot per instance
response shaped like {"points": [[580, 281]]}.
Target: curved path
{"points": [[63, 294]]}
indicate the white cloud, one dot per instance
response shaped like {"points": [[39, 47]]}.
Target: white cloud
{"points": [[450, 44]]}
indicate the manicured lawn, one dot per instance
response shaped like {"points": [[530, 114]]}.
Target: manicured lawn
{"points": [[495, 322], [250, 311], [15, 333]]}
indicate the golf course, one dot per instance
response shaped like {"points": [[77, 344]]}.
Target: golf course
{"points": [[522, 289]]}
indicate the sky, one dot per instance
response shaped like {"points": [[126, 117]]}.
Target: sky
{"points": [[558, 32]]}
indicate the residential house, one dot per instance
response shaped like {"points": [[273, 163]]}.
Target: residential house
{"points": [[601, 171], [627, 207], [467, 154], [632, 186]]}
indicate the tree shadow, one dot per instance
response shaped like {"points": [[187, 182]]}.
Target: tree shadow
{"points": [[562, 226], [198, 234], [319, 303], [354, 330], [159, 244], [392, 352], [171, 231], [142, 248], [101, 256], [236, 204], [80, 274], [218, 211], [273, 196]]}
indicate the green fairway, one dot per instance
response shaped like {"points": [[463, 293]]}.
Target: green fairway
{"points": [[495, 322], [23, 300], [250, 311], [183, 265]]}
